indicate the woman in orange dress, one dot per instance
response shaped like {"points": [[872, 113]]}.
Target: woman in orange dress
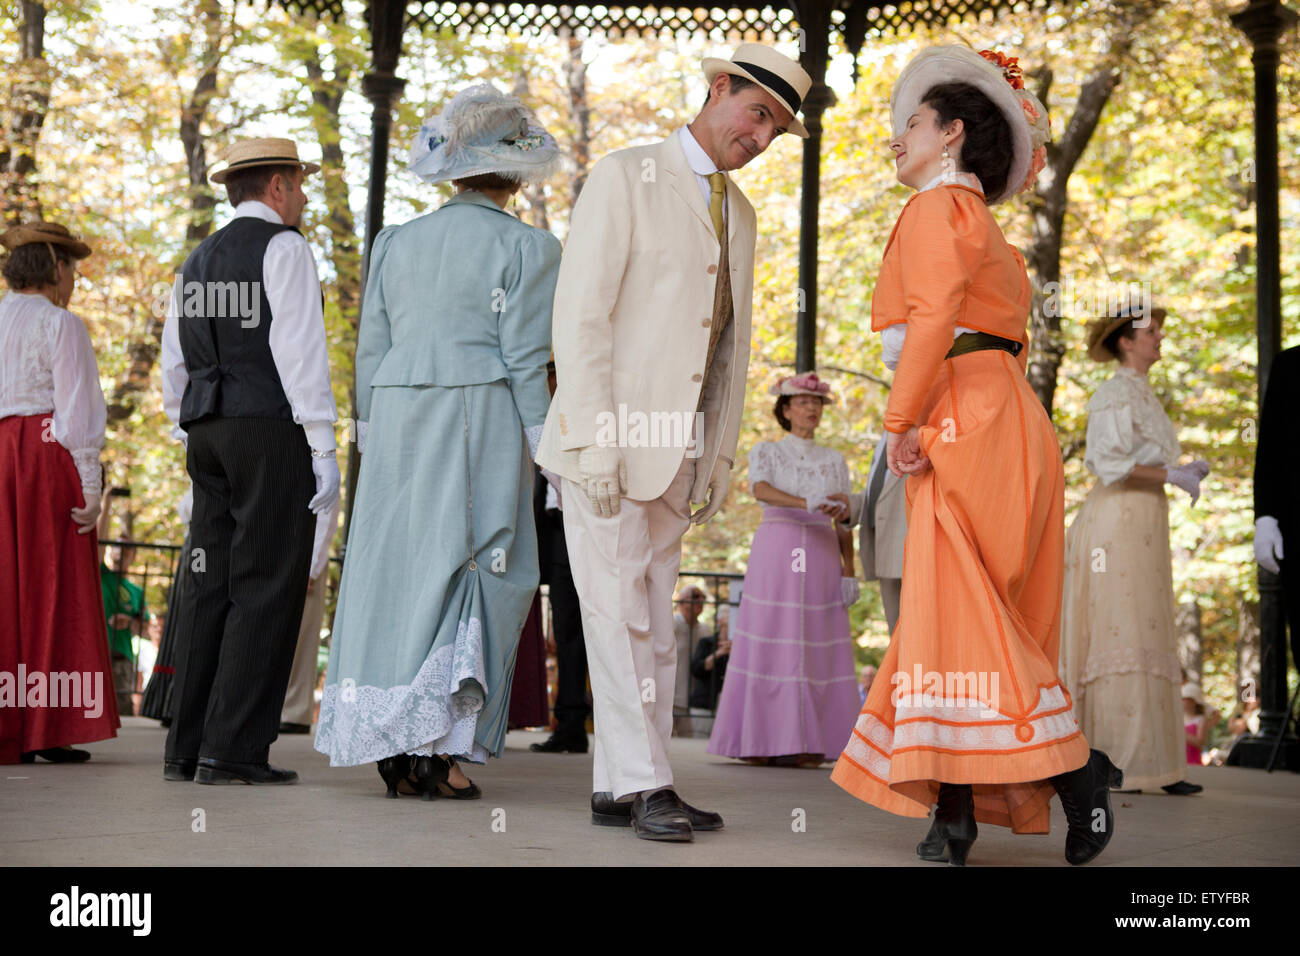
{"points": [[967, 711]]}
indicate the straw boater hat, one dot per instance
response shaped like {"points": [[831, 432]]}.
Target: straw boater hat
{"points": [[49, 233], [248, 153], [1101, 327], [1193, 692], [781, 76], [996, 76], [806, 383], [483, 131]]}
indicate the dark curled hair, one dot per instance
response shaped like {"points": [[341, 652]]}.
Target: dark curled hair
{"points": [[780, 411], [987, 149], [1125, 330], [30, 266], [738, 83], [487, 181], [253, 183]]}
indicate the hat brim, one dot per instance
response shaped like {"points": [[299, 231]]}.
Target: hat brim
{"points": [[1098, 333], [23, 235], [221, 175], [957, 64], [714, 65]]}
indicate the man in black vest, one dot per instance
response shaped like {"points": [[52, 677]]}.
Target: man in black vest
{"points": [[246, 382]]}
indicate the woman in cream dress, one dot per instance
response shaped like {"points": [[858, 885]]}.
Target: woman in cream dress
{"points": [[1119, 651]]}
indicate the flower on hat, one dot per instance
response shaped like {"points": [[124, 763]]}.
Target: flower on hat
{"points": [[805, 383], [1010, 66]]}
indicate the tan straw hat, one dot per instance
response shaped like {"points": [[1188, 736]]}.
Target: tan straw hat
{"points": [[49, 233], [247, 153], [781, 76], [1101, 327]]}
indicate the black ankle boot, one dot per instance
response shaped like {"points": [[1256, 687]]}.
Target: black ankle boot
{"points": [[393, 770], [428, 773], [953, 830], [1082, 793]]}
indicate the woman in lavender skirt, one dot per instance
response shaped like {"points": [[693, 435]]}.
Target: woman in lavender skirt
{"points": [[791, 691]]}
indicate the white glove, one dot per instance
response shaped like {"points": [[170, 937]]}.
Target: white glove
{"points": [[328, 480], [814, 502], [362, 429], [85, 518], [603, 474], [719, 485], [185, 510], [849, 591], [1188, 477], [1268, 543]]}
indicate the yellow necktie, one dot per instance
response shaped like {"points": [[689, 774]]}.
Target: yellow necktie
{"points": [[716, 181]]}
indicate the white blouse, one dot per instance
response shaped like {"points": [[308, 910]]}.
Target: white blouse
{"points": [[800, 467], [1127, 427], [47, 366], [893, 337]]}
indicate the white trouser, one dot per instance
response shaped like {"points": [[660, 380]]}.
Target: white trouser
{"points": [[625, 570]]}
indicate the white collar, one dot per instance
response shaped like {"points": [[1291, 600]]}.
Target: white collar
{"points": [[696, 157], [802, 443], [963, 179], [258, 210]]}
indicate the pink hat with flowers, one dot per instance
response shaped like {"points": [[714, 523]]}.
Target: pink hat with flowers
{"points": [[805, 383]]}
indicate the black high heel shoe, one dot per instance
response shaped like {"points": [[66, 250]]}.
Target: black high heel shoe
{"points": [[445, 789], [953, 830], [1082, 793], [394, 769], [429, 772]]}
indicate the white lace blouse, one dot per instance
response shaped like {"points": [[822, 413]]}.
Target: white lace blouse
{"points": [[798, 466], [1127, 427], [47, 367]]}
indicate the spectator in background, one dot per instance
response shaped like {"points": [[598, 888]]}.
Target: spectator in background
{"points": [[709, 666], [686, 628], [881, 511], [865, 678], [125, 610], [791, 697], [49, 497], [1197, 723], [1119, 645]]}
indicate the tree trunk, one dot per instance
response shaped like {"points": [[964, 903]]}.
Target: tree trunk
{"points": [[144, 348], [29, 100], [345, 252], [193, 113], [1050, 198], [1191, 652], [575, 74]]}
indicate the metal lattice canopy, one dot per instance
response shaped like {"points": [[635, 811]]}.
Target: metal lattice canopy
{"points": [[854, 19]]}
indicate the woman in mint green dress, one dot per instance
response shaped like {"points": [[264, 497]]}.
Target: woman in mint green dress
{"points": [[441, 561]]}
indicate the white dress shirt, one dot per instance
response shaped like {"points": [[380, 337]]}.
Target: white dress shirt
{"points": [[47, 366], [297, 335], [892, 338], [701, 166]]}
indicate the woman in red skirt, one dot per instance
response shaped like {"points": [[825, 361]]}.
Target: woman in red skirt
{"points": [[56, 684]]}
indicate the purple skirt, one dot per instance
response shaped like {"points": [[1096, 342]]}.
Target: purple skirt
{"points": [[791, 684]]}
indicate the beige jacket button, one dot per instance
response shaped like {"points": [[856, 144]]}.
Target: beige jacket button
{"points": [[695, 377], [706, 322], [713, 270]]}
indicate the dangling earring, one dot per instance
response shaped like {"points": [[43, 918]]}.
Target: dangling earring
{"points": [[948, 167]]}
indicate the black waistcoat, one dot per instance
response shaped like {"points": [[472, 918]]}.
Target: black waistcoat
{"points": [[225, 326]]}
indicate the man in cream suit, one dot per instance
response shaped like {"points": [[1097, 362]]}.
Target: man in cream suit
{"points": [[651, 333]]}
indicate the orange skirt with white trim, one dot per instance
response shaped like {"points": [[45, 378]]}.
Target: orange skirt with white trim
{"points": [[968, 691]]}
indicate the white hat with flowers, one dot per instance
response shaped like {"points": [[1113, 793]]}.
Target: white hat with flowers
{"points": [[999, 78], [483, 131]]}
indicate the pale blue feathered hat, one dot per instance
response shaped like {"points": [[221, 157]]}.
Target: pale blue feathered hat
{"points": [[483, 131]]}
